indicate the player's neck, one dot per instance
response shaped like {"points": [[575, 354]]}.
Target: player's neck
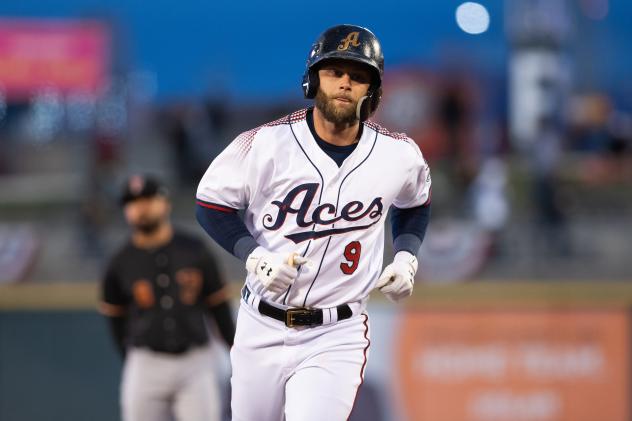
{"points": [[336, 134], [155, 239]]}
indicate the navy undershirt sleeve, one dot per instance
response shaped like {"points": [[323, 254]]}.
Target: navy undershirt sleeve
{"points": [[409, 227], [228, 230]]}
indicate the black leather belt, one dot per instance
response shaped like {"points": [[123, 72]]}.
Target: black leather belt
{"points": [[297, 316]]}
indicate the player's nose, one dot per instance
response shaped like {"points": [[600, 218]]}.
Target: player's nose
{"points": [[345, 81]]}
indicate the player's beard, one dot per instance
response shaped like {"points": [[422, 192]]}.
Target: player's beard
{"points": [[338, 115], [148, 226]]}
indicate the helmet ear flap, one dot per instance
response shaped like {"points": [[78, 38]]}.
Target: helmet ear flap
{"points": [[368, 104], [310, 83]]}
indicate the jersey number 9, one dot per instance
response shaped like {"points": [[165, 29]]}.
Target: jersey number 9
{"points": [[352, 254]]}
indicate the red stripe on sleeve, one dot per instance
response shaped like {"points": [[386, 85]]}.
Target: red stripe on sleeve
{"points": [[215, 207]]}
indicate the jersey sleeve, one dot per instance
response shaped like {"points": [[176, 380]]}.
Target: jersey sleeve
{"points": [[224, 185], [416, 190]]}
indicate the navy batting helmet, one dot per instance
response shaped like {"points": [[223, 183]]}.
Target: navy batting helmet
{"points": [[347, 42]]}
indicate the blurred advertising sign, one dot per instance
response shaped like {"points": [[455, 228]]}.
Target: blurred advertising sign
{"points": [[539, 80], [63, 55], [531, 365]]}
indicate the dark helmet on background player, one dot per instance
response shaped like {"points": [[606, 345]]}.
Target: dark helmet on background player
{"points": [[140, 186], [347, 42]]}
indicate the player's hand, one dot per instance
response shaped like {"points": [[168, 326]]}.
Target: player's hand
{"points": [[276, 271], [398, 278]]}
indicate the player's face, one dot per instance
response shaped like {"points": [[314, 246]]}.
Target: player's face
{"points": [[147, 214], [342, 84]]}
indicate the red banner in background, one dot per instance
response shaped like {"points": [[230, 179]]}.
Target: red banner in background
{"points": [[540, 365], [63, 55]]}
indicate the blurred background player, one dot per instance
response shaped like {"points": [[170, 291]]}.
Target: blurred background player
{"points": [[157, 292]]}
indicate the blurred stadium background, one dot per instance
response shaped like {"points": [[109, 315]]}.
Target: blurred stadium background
{"points": [[523, 109]]}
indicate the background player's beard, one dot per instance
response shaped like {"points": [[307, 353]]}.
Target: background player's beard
{"points": [[336, 115], [148, 226]]}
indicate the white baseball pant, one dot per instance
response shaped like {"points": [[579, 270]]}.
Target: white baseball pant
{"points": [[163, 387], [296, 374]]}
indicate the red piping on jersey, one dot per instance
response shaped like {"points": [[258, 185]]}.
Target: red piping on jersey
{"points": [[368, 344], [429, 199], [215, 207]]}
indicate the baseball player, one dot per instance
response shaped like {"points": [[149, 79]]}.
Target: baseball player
{"points": [[157, 292], [315, 187]]}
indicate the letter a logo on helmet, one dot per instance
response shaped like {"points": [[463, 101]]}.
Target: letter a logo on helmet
{"points": [[347, 42], [352, 39]]}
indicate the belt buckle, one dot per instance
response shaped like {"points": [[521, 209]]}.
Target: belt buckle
{"points": [[300, 316]]}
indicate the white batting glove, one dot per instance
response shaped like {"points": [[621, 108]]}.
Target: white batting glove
{"points": [[276, 271], [398, 278]]}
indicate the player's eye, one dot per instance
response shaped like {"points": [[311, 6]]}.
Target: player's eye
{"points": [[360, 77]]}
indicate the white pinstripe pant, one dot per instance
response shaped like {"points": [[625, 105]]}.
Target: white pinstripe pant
{"points": [[296, 374]]}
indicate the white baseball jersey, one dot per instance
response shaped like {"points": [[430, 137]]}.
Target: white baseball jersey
{"points": [[297, 199]]}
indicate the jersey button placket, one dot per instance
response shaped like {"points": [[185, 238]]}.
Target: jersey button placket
{"points": [[161, 260], [169, 324], [166, 302], [163, 280]]}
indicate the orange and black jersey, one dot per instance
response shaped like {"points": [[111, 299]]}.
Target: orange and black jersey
{"points": [[163, 295]]}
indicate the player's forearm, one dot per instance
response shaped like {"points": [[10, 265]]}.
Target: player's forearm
{"points": [[224, 319], [228, 230], [117, 329], [409, 227]]}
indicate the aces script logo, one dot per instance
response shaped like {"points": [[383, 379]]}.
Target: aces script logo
{"points": [[324, 214]]}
